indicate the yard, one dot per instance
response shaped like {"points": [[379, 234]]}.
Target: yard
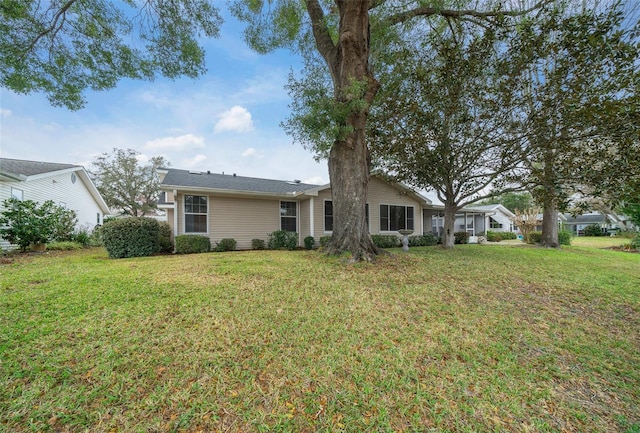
{"points": [[478, 339]]}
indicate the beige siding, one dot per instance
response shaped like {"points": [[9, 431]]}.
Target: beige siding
{"points": [[304, 219], [379, 193], [242, 219], [382, 193]]}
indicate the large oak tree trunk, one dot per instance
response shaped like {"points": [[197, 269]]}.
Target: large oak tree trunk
{"points": [[550, 225], [448, 237], [349, 163]]}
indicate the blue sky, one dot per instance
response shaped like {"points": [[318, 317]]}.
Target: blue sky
{"points": [[225, 121]]}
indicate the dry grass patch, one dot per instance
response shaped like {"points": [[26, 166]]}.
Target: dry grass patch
{"points": [[477, 339]]}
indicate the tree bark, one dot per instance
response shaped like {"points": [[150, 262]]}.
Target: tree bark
{"points": [[349, 161], [550, 225], [448, 237]]}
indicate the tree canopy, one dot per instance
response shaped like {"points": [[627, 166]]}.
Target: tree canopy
{"points": [[580, 104], [63, 47], [125, 183]]}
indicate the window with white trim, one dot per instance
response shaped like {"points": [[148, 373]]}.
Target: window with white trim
{"points": [[195, 214], [289, 216], [18, 194], [394, 218], [328, 215]]}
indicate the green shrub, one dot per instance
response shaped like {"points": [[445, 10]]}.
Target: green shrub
{"points": [[564, 237], [424, 240], [189, 244], [494, 236], [282, 239], [257, 244], [324, 241], [593, 230], [508, 235], [461, 238], [82, 236], [25, 222], [64, 246], [226, 244], [535, 237], [165, 234], [65, 225], [386, 241], [131, 237], [635, 242], [309, 242]]}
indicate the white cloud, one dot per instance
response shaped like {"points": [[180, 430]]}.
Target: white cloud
{"points": [[5, 113], [194, 162], [237, 119], [252, 153], [182, 142], [315, 180]]}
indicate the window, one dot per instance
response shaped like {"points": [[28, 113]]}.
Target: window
{"points": [[195, 214], [98, 218], [394, 218], [288, 216], [494, 224], [18, 194], [328, 215]]}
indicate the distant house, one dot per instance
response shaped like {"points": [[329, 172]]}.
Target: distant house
{"points": [[65, 184], [607, 222], [475, 220], [244, 208]]}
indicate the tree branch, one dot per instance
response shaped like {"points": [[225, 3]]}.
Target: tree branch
{"points": [[54, 27], [459, 13], [325, 44]]}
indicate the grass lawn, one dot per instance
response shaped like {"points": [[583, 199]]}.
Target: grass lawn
{"points": [[478, 339]]}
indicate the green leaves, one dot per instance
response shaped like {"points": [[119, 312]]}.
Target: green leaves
{"points": [[125, 184], [26, 222], [62, 48]]}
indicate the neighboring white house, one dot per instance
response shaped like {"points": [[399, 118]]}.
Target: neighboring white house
{"points": [[65, 184], [475, 220]]}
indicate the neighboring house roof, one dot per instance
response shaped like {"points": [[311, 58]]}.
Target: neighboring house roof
{"points": [[586, 219], [196, 180], [18, 169], [24, 171], [490, 208]]}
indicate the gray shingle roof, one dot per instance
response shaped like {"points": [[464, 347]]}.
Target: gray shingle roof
{"points": [[187, 179], [586, 219], [19, 167]]}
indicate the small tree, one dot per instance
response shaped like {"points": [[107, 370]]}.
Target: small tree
{"points": [[526, 221], [26, 222]]}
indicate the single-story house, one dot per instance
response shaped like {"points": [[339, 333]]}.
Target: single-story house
{"points": [[607, 222], [475, 220], [67, 185], [244, 208]]}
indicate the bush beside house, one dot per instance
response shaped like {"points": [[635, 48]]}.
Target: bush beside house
{"points": [[190, 244], [131, 237]]}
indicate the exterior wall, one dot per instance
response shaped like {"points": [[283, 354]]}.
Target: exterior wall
{"points": [[502, 219], [304, 219], [61, 190], [242, 219], [379, 193]]}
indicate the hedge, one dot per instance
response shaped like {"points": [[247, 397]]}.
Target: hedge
{"points": [[131, 237], [189, 244]]}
